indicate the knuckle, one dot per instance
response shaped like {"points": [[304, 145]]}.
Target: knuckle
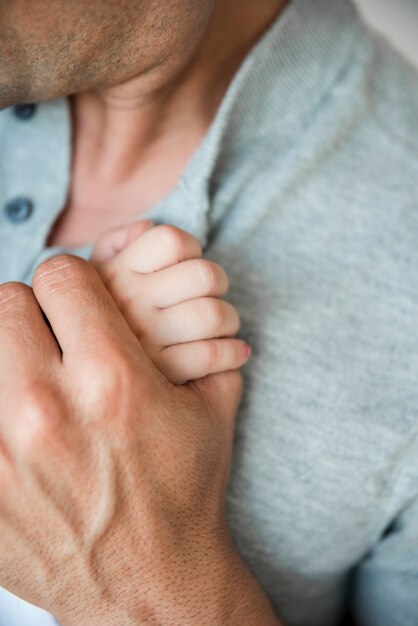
{"points": [[111, 376], [12, 294], [207, 273], [210, 355], [58, 270], [215, 314], [223, 277], [174, 239], [40, 412]]}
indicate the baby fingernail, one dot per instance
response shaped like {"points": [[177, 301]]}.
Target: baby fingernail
{"points": [[247, 351]]}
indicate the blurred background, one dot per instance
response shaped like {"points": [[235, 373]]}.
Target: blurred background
{"points": [[398, 20]]}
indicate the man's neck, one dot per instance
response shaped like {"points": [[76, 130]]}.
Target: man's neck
{"points": [[133, 141]]}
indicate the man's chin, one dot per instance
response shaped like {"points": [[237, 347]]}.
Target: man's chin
{"points": [[11, 94], [13, 91]]}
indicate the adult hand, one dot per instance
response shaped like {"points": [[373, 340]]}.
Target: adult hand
{"points": [[112, 480]]}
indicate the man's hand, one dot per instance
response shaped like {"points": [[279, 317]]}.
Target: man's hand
{"points": [[112, 480]]}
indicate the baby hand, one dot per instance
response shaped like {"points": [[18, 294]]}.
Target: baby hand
{"points": [[170, 297]]}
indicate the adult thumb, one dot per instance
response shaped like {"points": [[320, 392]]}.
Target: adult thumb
{"points": [[221, 394]]}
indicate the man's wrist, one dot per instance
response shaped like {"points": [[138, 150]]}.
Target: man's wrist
{"points": [[244, 601], [217, 591]]}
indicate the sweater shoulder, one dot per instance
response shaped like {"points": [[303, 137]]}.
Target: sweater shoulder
{"points": [[393, 94]]}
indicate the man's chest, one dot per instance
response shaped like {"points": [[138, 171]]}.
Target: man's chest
{"points": [[319, 432], [311, 478]]}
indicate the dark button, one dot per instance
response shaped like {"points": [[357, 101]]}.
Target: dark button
{"points": [[24, 111], [19, 209]]}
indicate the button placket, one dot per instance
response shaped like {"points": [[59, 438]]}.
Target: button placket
{"points": [[24, 112], [35, 155], [19, 209]]}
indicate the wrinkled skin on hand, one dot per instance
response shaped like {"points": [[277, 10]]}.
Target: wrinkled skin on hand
{"points": [[112, 479]]}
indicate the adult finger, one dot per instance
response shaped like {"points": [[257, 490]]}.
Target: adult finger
{"points": [[29, 355], [204, 318], [82, 313], [27, 343], [156, 249]]}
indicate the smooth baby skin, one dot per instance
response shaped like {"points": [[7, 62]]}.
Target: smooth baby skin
{"points": [[170, 297]]}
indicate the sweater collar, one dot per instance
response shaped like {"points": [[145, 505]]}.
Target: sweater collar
{"points": [[279, 86]]}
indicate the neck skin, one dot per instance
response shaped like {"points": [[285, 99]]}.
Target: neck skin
{"points": [[132, 142]]}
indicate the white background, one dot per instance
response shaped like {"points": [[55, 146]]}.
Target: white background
{"points": [[398, 19]]}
